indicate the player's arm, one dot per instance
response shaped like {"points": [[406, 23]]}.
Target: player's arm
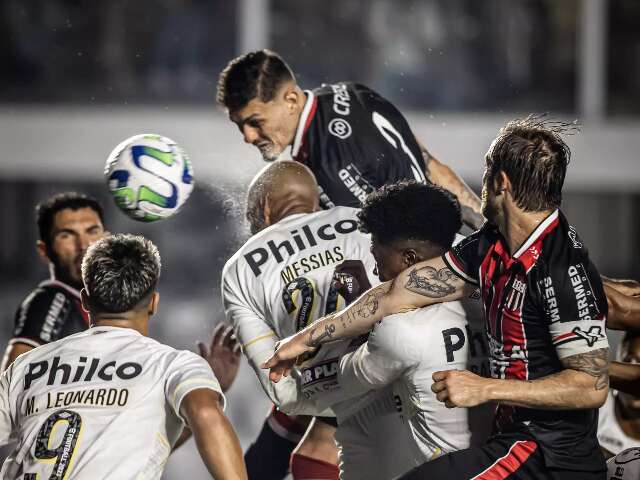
{"points": [[422, 284], [374, 364], [14, 349], [216, 440], [625, 377], [624, 310], [6, 424], [625, 286], [445, 177], [258, 342]]}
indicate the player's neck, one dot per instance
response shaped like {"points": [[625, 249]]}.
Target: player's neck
{"points": [[516, 226], [136, 323]]}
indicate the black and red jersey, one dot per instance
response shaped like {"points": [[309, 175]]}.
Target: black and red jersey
{"points": [[354, 141], [52, 311], [543, 303]]}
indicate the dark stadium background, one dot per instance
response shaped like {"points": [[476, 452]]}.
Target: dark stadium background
{"points": [[79, 77]]}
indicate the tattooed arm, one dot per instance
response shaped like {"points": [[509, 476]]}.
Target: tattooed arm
{"points": [[583, 383], [422, 284], [443, 176]]}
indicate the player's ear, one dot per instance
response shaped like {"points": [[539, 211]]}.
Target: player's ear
{"points": [[502, 182], [292, 95], [42, 250], [153, 304], [84, 300], [409, 257]]}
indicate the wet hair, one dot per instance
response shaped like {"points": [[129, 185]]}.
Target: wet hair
{"points": [[46, 211], [532, 154], [120, 272], [409, 210], [257, 74]]}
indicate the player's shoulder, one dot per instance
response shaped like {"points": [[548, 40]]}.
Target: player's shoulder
{"points": [[562, 247], [46, 294]]}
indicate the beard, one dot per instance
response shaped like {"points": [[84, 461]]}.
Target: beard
{"points": [[270, 151], [67, 273]]}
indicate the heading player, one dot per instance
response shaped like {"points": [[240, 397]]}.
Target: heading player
{"points": [[282, 279], [67, 224], [110, 402], [545, 312], [352, 139]]}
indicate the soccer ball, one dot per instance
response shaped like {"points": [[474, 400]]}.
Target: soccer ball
{"points": [[625, 465], [149, 176]]}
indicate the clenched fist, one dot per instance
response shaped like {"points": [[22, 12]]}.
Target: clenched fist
{"points": [[460, 388]]}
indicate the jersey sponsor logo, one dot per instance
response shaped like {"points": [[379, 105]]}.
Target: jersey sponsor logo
{"points": [[573, 236], [549, 295], [454, 340], [341, 99], [53, 315], [355, 182], [339, 127], [125, 371], [585, 301], [300, 240]]}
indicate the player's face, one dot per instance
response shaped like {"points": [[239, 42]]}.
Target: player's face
{"points": [[631, 355], [71, 234], [389, 260], [268, 126]]}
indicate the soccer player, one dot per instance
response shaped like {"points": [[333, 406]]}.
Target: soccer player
{"points": [[67, 224], [545, 311], [281, 280], [404, 350], [619, 417], [352, 139], [110, 402]]}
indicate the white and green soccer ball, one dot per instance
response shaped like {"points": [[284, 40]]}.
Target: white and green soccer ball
{"points": [[149, 176]]}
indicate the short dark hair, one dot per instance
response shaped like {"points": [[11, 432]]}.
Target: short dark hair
{"points": [[409, 210], [46, 210], [532, 154], [253, 75], [119, 272]]}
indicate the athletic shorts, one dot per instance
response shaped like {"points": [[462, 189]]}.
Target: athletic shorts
{"points": [[512, 456]]}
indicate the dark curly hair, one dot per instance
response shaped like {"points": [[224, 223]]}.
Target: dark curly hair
{"points": [[409, 210], [253, 75]]}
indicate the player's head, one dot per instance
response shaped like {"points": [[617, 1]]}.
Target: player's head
{"points": [[262, 98], [120, 274], [67, 224], [409, 222], [629, 352], [278, 190], [525, 167]]}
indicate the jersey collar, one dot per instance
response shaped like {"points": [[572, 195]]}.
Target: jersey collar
{"points": [[530, 250], [308, 113]]}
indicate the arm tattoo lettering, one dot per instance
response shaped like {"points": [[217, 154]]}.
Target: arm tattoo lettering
{"points": [[429, 282], [594, 363]]}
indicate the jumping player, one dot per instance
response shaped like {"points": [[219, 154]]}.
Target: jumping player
{"points": [[352, 139], [67, 223], [280, 281], [109, 400], [545, 312]]}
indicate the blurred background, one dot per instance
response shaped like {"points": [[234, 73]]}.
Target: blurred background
{"points": [[79, 77]]}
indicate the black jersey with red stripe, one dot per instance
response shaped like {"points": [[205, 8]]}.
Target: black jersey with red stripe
{"points": [[52, 311], [543, 303], [354, 141]]}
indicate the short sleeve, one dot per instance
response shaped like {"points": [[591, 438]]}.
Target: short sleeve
{"points": [[5, 410], [188, 372], [575, 306], [40, 317], [464, 258]]}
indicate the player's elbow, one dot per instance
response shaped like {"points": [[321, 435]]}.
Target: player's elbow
{"points": [[598, 398]]}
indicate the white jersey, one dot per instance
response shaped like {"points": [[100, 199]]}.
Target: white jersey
{"points": [[100, 404], [280, 281], [403, 351], [610, 435]]}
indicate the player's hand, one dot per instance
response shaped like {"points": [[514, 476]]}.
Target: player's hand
{"points": [[459, 388], [223, 355], [284, 358], [351, 280], [630, 288]]}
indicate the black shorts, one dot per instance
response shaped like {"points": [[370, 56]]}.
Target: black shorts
{"points": [[511, 456]]}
